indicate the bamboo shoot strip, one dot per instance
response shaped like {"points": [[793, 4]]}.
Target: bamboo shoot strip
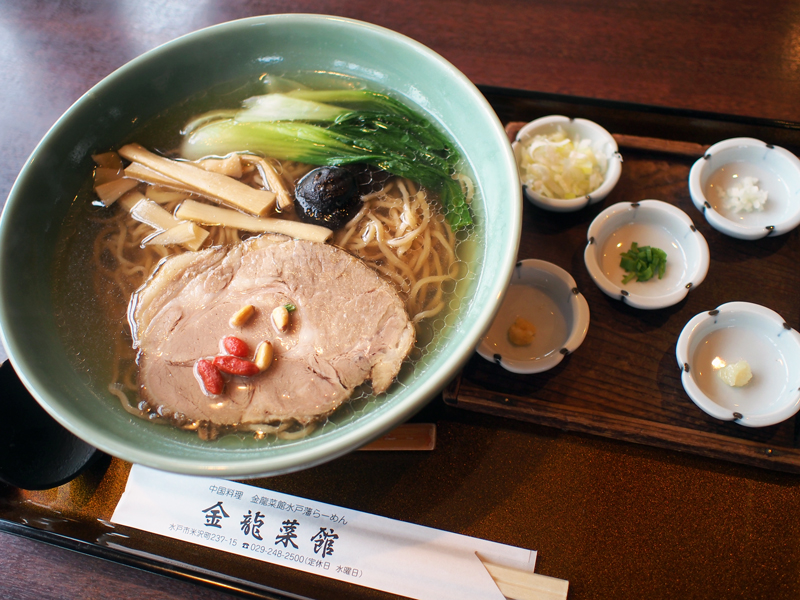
{"points": [[230, 165], [217, 187], [129, 200], [104, 175], [164, 195], [111, 191], [142, 173], [108, 160], [185, 233], [147, 211], [272, 179], [206, 214]]}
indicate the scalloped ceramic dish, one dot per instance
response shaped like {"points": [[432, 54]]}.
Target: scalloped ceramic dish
{"points": [[649, 223], [727, 163], [226, 54], [741, 331], [547, 296], [602, 141]]}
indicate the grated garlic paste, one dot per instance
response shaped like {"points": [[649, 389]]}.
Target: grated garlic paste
{"points": [[736, 374]]}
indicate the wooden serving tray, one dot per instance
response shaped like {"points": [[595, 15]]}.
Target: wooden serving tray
{"points": [[624, 380]]}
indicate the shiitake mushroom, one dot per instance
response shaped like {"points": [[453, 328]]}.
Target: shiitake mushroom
{"points": [[327, 196], [331, 196]]}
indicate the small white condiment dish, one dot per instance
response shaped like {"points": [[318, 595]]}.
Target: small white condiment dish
{"points": [[725, 164], [602, 142], [741, 331], [545, 295], [648, 223]]}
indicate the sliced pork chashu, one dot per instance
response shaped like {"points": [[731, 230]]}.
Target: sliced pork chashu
{"points": [[349, 326]]}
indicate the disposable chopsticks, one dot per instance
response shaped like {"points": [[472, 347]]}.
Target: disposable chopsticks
{"points": [[636, 142], [658, 145], [516, 584]]}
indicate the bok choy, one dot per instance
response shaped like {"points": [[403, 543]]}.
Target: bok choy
{"points": [[336, 127]]}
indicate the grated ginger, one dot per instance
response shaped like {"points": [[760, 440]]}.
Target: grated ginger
{"points": [[521, 332]]}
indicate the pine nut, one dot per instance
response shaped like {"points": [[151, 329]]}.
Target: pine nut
{"points": [[280, 317], [264, 354], [242, 315]]}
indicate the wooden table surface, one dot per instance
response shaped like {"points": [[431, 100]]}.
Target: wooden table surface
{"points": [[617, 520]]}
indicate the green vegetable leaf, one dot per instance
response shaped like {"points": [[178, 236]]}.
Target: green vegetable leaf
{"points": [[362, 126]]}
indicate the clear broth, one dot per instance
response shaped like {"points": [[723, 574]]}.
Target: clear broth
{"points": [[93, 321]]}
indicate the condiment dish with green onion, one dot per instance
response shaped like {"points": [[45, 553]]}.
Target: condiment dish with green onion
{"points": [[744, 337], [625, 247], [747, 189], [566, 164], [544, 300]]}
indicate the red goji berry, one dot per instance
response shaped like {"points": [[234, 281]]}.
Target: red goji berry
{"points": [[235, 347], [210, 376], [235, 366]]}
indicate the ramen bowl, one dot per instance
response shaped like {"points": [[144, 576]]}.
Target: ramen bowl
{"points": [[650, 223], [734, 332], [602, 143], [546, 297], [747, 189], [71, 380]]}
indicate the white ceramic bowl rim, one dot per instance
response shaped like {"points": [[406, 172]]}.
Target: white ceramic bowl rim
{"points": [[695, 327], [721, 223], [577, 333], [596, 235], [318, 450], [589, 129]]}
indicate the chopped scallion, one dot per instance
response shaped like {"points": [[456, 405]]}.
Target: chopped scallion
{"points": [[643, 263]]}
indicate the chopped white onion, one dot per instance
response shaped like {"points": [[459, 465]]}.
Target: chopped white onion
{"points": [[556, 166], [744, 197]]}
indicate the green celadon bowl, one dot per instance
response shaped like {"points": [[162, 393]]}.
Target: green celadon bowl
{"points": [[69, 384]]}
